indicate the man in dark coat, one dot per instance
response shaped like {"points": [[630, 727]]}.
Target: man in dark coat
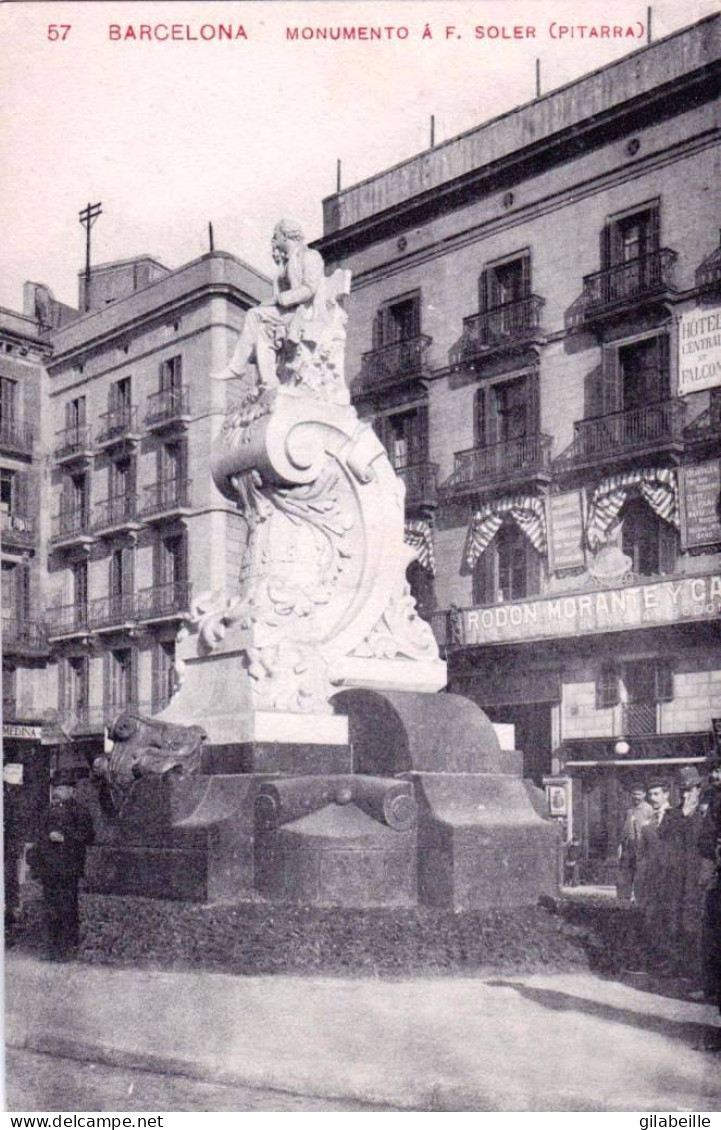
{"points": [[58, 860], [710, 850], [650, 877], [682, 893]]}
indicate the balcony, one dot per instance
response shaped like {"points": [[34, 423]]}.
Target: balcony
{"points": [[116, 515], [168, 409], [392, 364], [164, 499], [119, 426], [16, 438], [621, 436], [706, 428], [508, 464], [115, 613], [68, 620], [421, 484], [24, 637], [611, 292], [17, 530], [71, 528], [73, 445], [508, 329], [170, 601], [708, 275]]}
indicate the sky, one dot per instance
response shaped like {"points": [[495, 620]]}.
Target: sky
{"points": [[170, 135]]}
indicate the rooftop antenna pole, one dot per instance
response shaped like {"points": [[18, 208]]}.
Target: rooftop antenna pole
{"points": [[210, 236], [338, 169], [433, 131], [88, 216], [649, 15], [538, 78]]}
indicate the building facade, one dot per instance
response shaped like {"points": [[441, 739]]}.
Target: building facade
{"points": [[535, 333], [111, 523]]}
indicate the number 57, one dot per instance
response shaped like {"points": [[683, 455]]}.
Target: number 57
{"points": [[58, 31]]}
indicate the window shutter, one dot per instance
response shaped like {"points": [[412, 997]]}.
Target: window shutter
{"points": [[605, 246], [133, 676], [62, 685], [494, 295], [182, 563], [667, 547], [182, 471], [525, 276], [611, 398], [664, 367], [416, 317], [483, 292], [479, 418], [128, 579], [418, 437], [22, 591], [82, 410], [533, 570], [69, 416], [21, 494], [663, 681], [653, 229], [607, 690], [533, 405], [107, 682], [484, 576]]}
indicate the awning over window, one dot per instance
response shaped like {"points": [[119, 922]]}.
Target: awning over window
{"points": [[527, 512], [419, 535], [658, 486]]}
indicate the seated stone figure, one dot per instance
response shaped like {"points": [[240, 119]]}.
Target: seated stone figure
{"points": [[298, 339]]}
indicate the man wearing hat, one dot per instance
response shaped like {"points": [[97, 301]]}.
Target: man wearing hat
{"points": [[683, 891], [58, 859], [710, 849], [650, 880]]}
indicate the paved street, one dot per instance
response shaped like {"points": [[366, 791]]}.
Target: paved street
{"points": [[544, 1042], [37, 1082]]}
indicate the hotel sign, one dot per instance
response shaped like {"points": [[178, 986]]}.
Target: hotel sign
{"points": [[699, 350], [605, 610]]}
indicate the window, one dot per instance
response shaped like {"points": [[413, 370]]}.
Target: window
{"points": [[631, 237], [121, 394], [77, 685], [509, 569], [506, 410], [80, 586], [633, 378], [8, 400], [76, 414], [10, 691], [512, 410], [164, 676], [171, 462], [607, 687], [121, 581], [404, 436], [76, 495], [648, 682], [397, 321], [173, 561], [15, 592], [644, 372], [650, 542], [504, 283], [122, 484], [7, 490], [120, 691]]}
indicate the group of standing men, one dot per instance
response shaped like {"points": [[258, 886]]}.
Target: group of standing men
{"points": [[670, 865]]}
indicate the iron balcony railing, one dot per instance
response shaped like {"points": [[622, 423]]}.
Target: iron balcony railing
{"points": [[169, 599], [71, 523], [17, 529], [16, 437], [165, 495], [620, 433], [112, 611], [390, 363], [625, 282], [167, 406], [72, 443], [118, 423], [510, 461], [25, 636], [509, 324], [708, 275], [706, 426], [421, 483], [115, 512], [67, 619]]}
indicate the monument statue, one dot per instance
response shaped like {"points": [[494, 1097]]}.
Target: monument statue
{"points": [[323, 600]]}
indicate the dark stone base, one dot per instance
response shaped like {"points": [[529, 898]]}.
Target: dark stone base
{"points": [[257, 937], [276, 757]]}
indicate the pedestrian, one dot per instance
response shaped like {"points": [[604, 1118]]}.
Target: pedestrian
{"points": [[58, 860], [710, 850], [683, 887], [636, 816]]}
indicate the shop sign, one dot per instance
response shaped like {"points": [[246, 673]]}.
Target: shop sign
{"points": [[699, 350], [25, 733], [605, 610], [565, 530], [700, 496]]}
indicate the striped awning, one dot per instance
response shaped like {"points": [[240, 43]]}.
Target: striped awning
{"points": [[419, 535], [657, 486], [527, 511]]}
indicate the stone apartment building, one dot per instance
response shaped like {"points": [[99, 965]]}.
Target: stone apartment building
{"points": [[111, 523], [534, 332]]}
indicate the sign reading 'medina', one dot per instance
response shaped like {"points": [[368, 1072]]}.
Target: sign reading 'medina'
{"points": [[605, 610]]}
